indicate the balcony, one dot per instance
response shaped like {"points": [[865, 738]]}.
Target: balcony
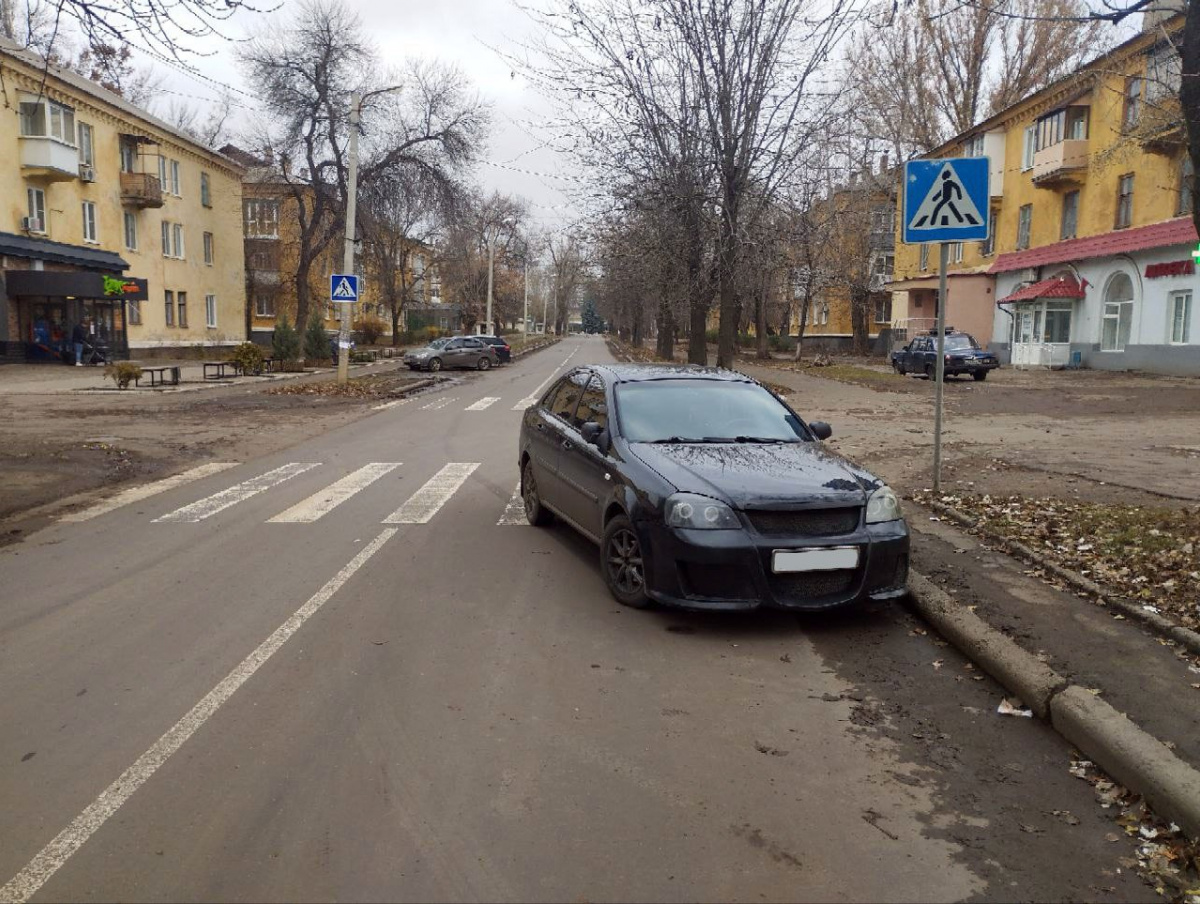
{"points": [[1064, 163], [141, 190], [49, 158]]}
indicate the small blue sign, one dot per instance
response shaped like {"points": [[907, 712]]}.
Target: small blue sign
{"points": [[343, 287], [946, 200]]}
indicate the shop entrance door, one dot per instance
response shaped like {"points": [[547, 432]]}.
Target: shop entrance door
{"points": [[46, 334]]}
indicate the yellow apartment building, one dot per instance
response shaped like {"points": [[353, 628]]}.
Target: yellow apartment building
{"points": [[112, 219], [1089, 258]]}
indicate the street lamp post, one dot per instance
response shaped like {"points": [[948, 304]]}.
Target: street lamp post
{"points": [[491, 270], [347, 310], [525, 317]]}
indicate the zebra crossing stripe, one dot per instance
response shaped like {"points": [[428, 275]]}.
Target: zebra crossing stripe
{"points": [[439, 404], [387, 405], [525, 403], [218, 502], [322, 503], [485, 402], [137, 494], [428, 500], [514, 512]]}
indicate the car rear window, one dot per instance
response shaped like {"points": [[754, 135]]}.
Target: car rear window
{"points": [[703, 411], [961, 341]]}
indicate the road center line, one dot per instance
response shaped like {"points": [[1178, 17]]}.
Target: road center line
{"points": [[50, 859], [532, 398], [325, 501], [439, 404], [218, 502], [137, 494], [387, 405], [485, 402], [437, 491]]}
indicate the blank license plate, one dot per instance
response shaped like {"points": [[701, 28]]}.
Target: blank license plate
{"points": [[833, 558]]}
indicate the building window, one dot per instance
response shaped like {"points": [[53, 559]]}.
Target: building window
{"points": [[1124, 200], [87, 154], [1164, 73], [182, 305], [956, 252], [135, 311], [883, 220], [166, 238], [89, 221], [1133, 102], [1058, 322], [882, 267], [1118, 314], [128, 154], [1029, 147], [210, 311], [264, 305], [1070, 215], [60, 124], [825, 314], [973, 146], [1024, 223], [37, 206], [261, 218], [205, 190], [169, 307], [1181, 317], [162, 173], [924, 257], [988, 246], [130, 231], [1187, 185], [1050, 129], [208, 248], [1077, 123], [175, 189], [883, 310], [177, 240]]}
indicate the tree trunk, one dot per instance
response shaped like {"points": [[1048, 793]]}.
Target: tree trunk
{"points": [[727, 331], [302, 292], [698, 306], [636, 331], [760, 326], [1189, 98], [860, 305], [665, 346]]}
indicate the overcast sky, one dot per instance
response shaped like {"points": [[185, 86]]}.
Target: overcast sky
{"points": [[462, 32]]}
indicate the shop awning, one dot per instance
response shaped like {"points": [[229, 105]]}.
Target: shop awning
{"points": [[1179, 231], [73, 284], [1058, 287], [14, 245]]}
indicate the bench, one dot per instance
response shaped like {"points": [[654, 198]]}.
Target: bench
{"points": [[160, 376], [217, 370]]}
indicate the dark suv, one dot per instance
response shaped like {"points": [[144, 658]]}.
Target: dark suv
{"points": [[500, 346], [963, 356]]}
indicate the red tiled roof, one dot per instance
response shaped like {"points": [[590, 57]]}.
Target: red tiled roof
{"points": [[1059, 287], [1179, 231]]}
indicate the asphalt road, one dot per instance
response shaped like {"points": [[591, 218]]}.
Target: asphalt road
{"points": [[351, 672]]}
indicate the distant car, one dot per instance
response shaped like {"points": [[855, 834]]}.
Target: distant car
{"points": [[461, 351], [705, 491], [963, 356], [500, 344]]}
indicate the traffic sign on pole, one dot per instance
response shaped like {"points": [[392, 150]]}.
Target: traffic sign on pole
{"points": [[946, 200], [343, 287]]}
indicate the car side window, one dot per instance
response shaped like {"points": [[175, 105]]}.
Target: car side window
{"points": [[547, 401], [472, 343], [568, 396], [454, 343], [592, 406]]}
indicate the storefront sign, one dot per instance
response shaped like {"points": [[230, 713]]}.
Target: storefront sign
{"points": [[1171, 268], [119, 287], [73, 284]]}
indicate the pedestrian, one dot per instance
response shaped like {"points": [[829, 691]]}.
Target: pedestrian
{"points": [[78, 337]]}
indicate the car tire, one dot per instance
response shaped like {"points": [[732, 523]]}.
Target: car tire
{"points": [[929, 372], [535, 513], [898, 368], [623, 564], [980, 376], [484, 363], [435, 365]]}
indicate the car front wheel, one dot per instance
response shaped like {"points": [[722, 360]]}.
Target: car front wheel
{"points": [[623, 564], [435, 365], [980, 376], [484, 363], [898, 367]]}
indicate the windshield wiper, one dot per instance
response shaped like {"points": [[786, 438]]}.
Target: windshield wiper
{"points": [[762, 439], [675, 439]]}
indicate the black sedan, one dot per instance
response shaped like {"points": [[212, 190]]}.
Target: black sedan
{"points": [[963, 355], [499, 345], [704, 490]]}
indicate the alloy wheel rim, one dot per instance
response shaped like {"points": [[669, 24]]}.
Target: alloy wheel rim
{"points": [[530, 497], [625, 561]]}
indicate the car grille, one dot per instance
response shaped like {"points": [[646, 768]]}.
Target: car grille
{"points": [[728, 582], [809, 523], [809, 585]]}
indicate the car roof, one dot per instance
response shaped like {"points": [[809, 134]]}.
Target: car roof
{"points": [[641, 373]]}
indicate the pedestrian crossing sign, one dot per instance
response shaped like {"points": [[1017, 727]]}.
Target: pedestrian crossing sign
{"points": [[343, 287], [946, 200]]}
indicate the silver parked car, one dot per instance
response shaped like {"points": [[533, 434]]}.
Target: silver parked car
{"points": [[461, 351]]}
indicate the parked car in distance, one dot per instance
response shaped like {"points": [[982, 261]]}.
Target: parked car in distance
{"points": [[460, 351], [705, 491], [963, 355], [500, 344]]}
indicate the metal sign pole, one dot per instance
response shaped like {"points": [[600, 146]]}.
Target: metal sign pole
{"points": [[944, 259], [347, 310]]}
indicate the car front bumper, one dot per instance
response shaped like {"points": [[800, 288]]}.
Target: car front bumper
{"points": [[731, 569], [969, 366]]}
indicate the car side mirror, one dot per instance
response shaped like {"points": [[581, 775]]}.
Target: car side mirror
{"points": [[591, 432], [820, 429]]}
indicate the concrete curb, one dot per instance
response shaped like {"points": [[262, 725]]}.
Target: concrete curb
{"points": [[1188, 638], [537, 348], [1131, 755]]}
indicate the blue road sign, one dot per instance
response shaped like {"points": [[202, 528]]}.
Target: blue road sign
{"points": [[343, 287], [946, 200]]}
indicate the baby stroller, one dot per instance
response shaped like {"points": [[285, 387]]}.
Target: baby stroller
{"points": [[94, 353]]}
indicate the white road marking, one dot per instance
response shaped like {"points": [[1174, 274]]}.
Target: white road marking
{"points": [[425, 502], [218, 502], [50, 859], [485, 402], [387, 405], [335, 494], [533, 397], [439, 404], [137, 494], [514, 512]]}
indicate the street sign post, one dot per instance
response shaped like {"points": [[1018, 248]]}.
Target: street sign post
{"points": [[944, 201]]}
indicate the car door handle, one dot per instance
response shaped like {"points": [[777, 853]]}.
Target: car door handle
{"points": [[541, 426], [567, 444]]}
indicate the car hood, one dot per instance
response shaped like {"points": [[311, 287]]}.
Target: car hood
{"points": [[421, 353], [758, 476]]}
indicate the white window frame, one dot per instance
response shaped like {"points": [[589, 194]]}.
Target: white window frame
{"points": [[956, 252], [256, 225], [87, 144], [130, 227], [1124, 222], [1062, 228], [1028, 148], [208, 248], [181, 318], [176, 188], [205, 190], [1180, 299], [162, 172], [36, 199], [177, 241], [89, 223], [267, 310], [210, 311], [923, 258], [169, 307], [1024, 226], [1112, 312], [166, 238]]}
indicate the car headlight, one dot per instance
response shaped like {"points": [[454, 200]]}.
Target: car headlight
{"points": [[883, 505], [699, 513]]}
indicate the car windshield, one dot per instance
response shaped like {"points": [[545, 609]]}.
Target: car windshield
{"points": [[438, 343], [959, 342], [703, 411]]}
